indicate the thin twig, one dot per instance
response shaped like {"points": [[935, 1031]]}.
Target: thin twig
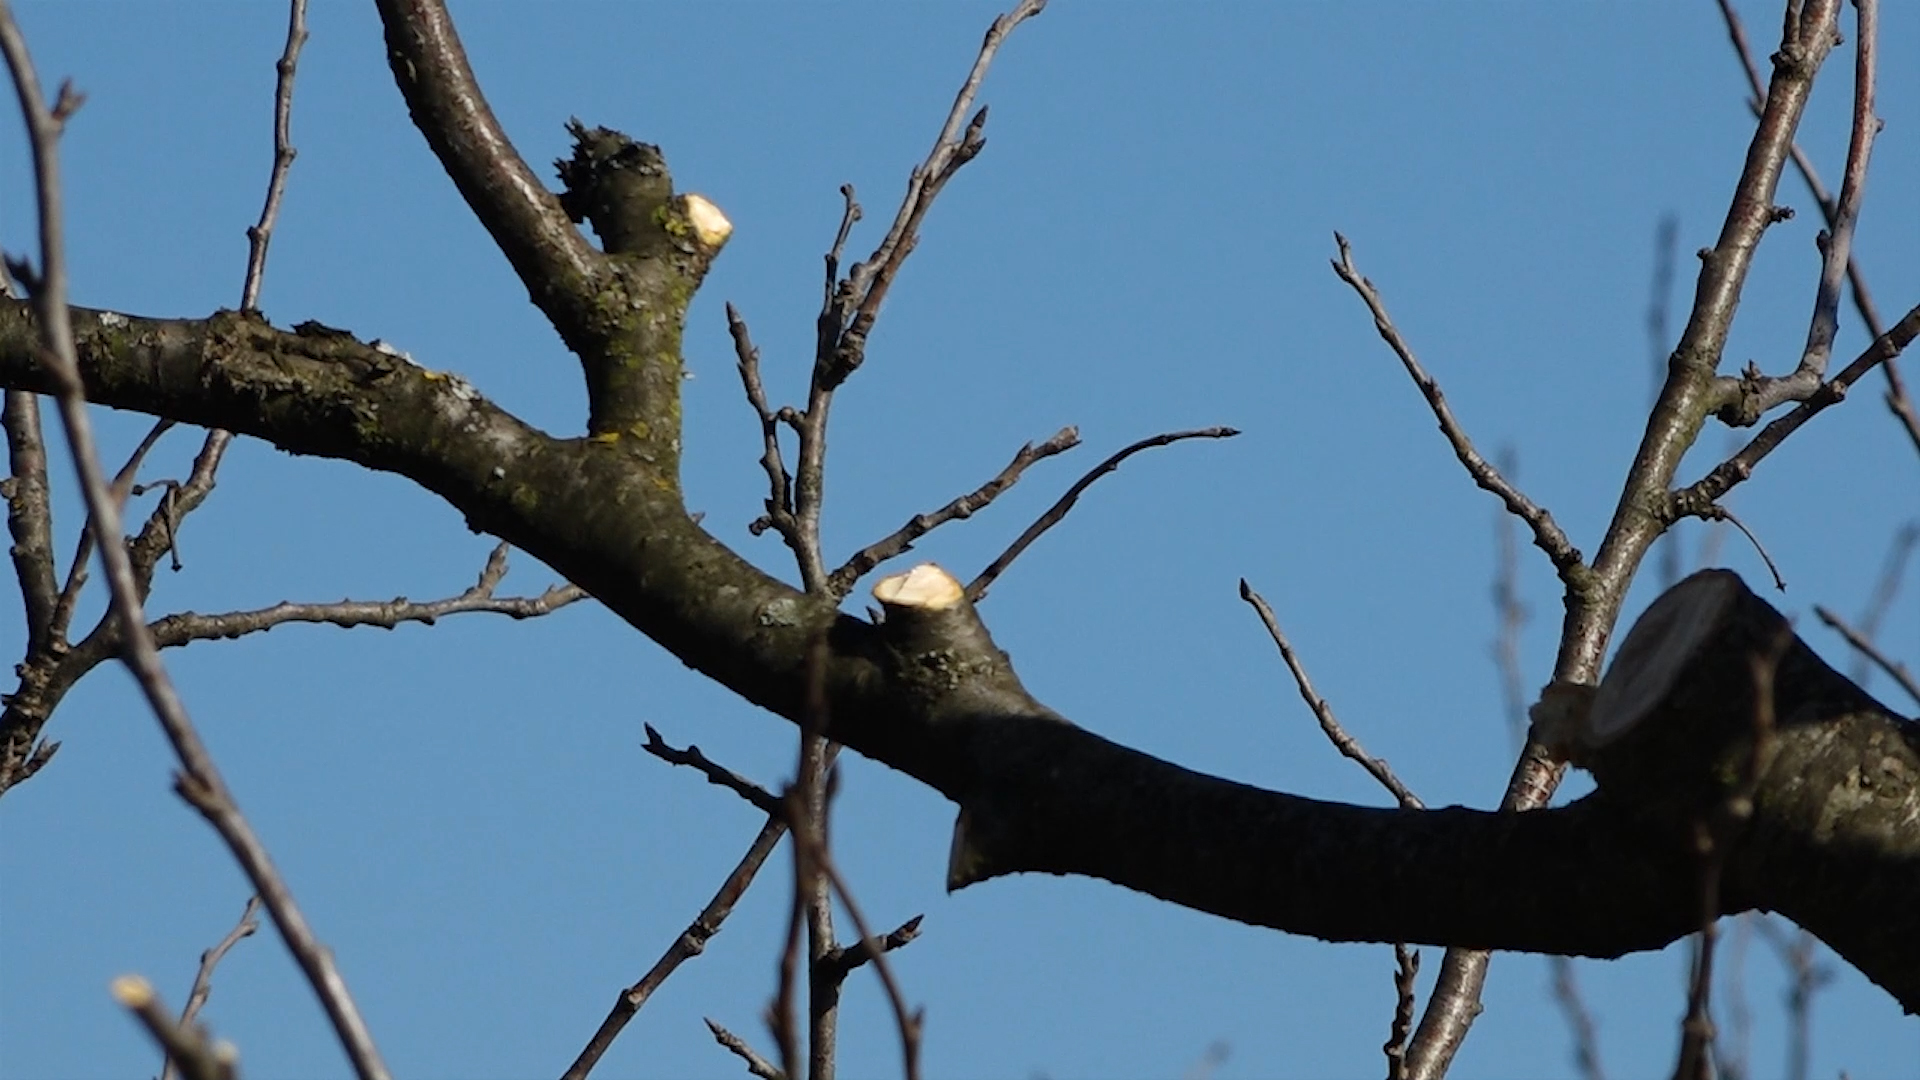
{"points": [[1329, 724], [1897, 400], [185, 627], [1694, 500], [202, 987], [1714, 837], [841, 581], [779, 503], [1721, 513], [756, 1065], [200, 781], [1757, 394], [1864, 645], [1905, 539], [1547, 534], [718, 775], [844, 960], [1406, 968], [119, 489], [851, 305], [260, 234], [977, 588], [1666, 245], [691, 943], [199, 1056]]}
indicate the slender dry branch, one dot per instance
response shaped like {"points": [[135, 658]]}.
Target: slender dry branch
{"points": [[202, 987], [260, 234], [756, 1065], [977, 588], [1510, 618], [1329, 724], [185, 627], [844, 960], [120, 488], [200, 782], [1688, 396], [779, 503], [198, 1056], [858, 305], [851, 305], [691, 943], [1864, 645], [1862, 636], [718, 775], [841, 581], [1897, 400], [1406, 968], [1696, 499], [1755, 394], [1547, 534]]}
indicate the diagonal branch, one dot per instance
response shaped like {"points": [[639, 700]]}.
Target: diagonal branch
{"points": [[525, 219], [1756, 394], [691, 943], [1897, 400], [1348, 746], [977, 589], [1547, 534], [841, 581], [199, 782], [1697, 499], [202, 987]]}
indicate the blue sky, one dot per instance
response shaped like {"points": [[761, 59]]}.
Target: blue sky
{"points": [[465, 811]]}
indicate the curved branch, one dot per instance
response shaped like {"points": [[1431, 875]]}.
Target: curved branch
{"points": [[525, 219]]}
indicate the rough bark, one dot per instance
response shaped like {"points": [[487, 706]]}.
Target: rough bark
{"points": [[936, 699]]}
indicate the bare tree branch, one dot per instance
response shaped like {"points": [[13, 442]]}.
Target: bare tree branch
{"points": [[756, 1065], [200, 782], [1348, 746], [198, 1055], [718, 775], [1547, 534], [691, 943], [260, 234], [203, 979], [977, 589], [1896, 398], [841, 581], [185, 627], [1406, 969], [1755, 394], [1696, 499]]}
